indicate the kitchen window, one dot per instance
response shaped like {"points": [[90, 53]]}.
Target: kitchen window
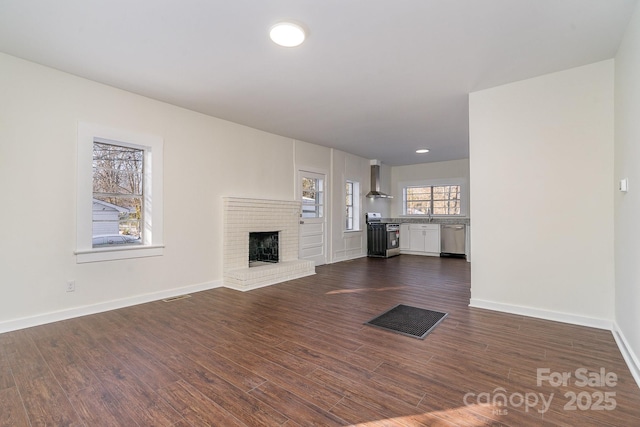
{"points": [[119, 206], [432, 199]]}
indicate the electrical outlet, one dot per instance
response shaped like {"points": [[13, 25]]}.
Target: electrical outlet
{"points": [[71, 286]]}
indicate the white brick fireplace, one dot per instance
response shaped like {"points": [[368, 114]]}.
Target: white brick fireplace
{"points": [[243, 216]]}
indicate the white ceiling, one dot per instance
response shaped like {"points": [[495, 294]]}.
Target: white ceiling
{"points": [[376, 78]]}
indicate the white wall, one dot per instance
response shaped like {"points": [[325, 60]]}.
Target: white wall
{"points": [[627, 206], [205, 158], [437, 173], [313, 158], [542, 188], [348, 244]]}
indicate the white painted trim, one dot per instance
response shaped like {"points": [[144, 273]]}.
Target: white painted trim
{"points": [[627, 353], [410, 252], [338, 256], [41, 319], [268, 283], [544, 314], [153, 147], [110, 254]]}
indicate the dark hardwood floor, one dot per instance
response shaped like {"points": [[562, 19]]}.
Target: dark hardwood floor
{"points": [[298, 354]]}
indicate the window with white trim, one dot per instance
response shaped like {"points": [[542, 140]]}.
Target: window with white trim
{"points": [[432, 199], [119, 206], [352, 205]]}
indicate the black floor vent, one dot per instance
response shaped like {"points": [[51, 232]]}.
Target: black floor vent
{"points": [[411, 321]]}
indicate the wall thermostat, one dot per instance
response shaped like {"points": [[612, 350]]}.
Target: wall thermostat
{"points": [[624, 185]]}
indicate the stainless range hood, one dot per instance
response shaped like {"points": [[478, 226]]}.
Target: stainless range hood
{"points": [[375, 192]]}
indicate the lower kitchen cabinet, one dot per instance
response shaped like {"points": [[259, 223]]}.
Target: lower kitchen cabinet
{"points": [[404, 237], [420, 239]]}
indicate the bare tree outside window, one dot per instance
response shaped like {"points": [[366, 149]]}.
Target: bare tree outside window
{"points": [[437, 200], [312, 197], [118, 186]]}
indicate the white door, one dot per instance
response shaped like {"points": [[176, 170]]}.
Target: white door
{"points": [[311, 192]]}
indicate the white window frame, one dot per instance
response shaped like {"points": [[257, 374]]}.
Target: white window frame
{"points": [[356, 205], [152, 145], [433, 183]]}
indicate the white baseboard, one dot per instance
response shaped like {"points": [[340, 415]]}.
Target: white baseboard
{"points": [[627, 353], [629, 356], [41, 319], [267, 283], [544, 314], [337, 258], [410, 252]]}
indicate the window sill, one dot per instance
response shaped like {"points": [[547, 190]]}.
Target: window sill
{"points": [[112, 254], [351, 231]]}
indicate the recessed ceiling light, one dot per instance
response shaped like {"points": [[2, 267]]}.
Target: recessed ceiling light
{"points": [[422, 151], [287, 34]]}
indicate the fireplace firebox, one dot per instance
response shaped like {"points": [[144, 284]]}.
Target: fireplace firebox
{"points": [[263, 248]]}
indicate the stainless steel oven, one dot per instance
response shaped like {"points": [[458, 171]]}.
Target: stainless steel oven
{"points": [[383, 239]]}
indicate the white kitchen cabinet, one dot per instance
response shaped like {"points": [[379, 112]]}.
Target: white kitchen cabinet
{"points": [[424, 239], [432, 238], [404, 237]]}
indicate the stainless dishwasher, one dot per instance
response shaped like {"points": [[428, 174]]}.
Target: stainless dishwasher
{"points": [[452, 239]]}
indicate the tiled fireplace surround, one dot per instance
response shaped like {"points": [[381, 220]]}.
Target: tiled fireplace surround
{"points": [[242, 216]]}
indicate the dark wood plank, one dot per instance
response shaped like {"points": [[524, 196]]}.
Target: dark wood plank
{"points": [[46, 403], [362, 415], [298, 354], [382, 398], [244, 407], [138, 400], [98, 407], [67, 367], [24, 358], [301, 386], [196, 408], [294, 407], [12, 413], [6, 377]]}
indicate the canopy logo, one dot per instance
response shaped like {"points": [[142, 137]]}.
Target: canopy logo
{"points": [[501, 401], [598, 400]]}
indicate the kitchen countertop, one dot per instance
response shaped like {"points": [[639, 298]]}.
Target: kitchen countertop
{"points": [[434, 220]]}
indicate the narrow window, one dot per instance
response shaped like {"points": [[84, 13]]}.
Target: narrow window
{"points": [[349, 206], [352, 205]]}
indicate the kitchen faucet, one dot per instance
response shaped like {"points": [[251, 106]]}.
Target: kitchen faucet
{"points": [[429, 213]]}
